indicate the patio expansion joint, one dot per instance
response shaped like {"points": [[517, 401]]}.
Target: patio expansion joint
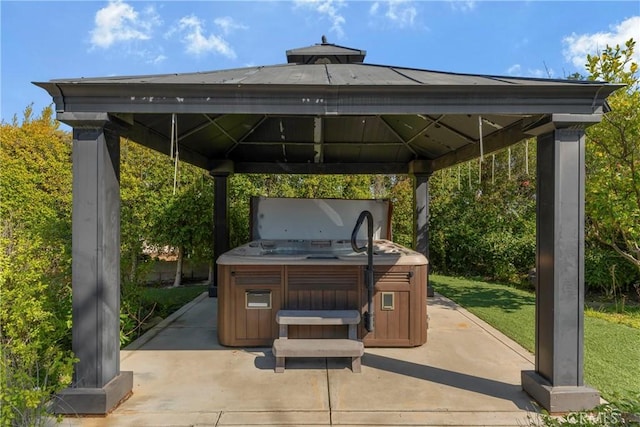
{"points": [[326, 366], [218, 419]]}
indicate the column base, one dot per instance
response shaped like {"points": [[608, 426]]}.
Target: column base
{"points": [[559, 398], [94, 401]]}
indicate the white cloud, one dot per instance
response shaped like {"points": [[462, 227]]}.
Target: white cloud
{"points": [[399, 13], [514, 70], [577, 46], [196, 42], [547, 73], [463, 5], [157, 60], [228, 24], [120, 22], [328, 9]]}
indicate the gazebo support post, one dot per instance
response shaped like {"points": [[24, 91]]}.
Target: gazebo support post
{"points": [[220, 223], [421, 219], [98, 384], [557, 382]]}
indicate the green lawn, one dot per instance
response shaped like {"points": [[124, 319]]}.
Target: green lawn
{"points": [[168, 300], [612, 349]]}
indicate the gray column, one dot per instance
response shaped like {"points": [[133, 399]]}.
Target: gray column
{"points": [[557, 382], [421, 219], [220, 223], [98, 384]]}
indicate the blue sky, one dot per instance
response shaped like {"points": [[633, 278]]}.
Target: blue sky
{"points": [[53, 39]]}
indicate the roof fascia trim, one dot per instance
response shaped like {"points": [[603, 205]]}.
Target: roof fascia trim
{"points": [[562, 121]]}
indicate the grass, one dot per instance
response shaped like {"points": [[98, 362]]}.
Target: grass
{"points": [[168, 300], [630, 315], [612, 349]]}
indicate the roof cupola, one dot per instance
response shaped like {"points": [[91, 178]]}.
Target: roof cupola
{"points": [[325, 53]]}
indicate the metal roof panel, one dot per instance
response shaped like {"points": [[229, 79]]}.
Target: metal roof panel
{"points": [[325, 75]]}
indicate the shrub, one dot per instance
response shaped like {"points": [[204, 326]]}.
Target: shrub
{"points": [[606, 272]]}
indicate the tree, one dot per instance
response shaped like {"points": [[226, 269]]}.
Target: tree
{"points": [[146, 181], [186, 223], [613, 156]]}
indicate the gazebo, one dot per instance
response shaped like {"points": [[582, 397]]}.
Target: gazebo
{"points": [[327, 112]]}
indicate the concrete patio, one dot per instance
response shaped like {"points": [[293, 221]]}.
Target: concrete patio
{"points": [[468, 374]]}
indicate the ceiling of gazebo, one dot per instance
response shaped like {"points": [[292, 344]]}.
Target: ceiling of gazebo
{"points": [[327, 114]]}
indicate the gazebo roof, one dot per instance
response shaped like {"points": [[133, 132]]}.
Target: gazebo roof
{"points": [[335, 116]]}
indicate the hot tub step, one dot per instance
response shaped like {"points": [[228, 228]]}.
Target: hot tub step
{"points": [[318, 317], [284, 318], [317, 348]]}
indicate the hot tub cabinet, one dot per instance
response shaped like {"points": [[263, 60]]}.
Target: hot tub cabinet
{"points": [[250, 295], [299, 260]]}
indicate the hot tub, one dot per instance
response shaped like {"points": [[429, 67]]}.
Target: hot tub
{"points": [[318, 269]]}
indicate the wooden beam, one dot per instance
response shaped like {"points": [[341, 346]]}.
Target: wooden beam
{"points": [[322, 168], [493, 142], [156, 141]]}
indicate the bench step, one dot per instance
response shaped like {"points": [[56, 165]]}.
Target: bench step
{"points": [[318, 317], [317, 348]]}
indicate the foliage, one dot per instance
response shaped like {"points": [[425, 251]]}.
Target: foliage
{"points": [[35, 307], [482, 217], [146, 178], [613, 157], [623, 314], [606, 273], [34, 363], [611, 357], [153, 217], [401, 196], [185, 222]]}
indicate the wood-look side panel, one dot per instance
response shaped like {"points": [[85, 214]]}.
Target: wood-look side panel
{"points": [[242, 326], [405, 325], [419, 321], [225, 322], [321, 288]]}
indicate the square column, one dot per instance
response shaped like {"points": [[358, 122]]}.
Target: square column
{"points": [[98, 384], [557, 383], [220, 223], [421, 219]]}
